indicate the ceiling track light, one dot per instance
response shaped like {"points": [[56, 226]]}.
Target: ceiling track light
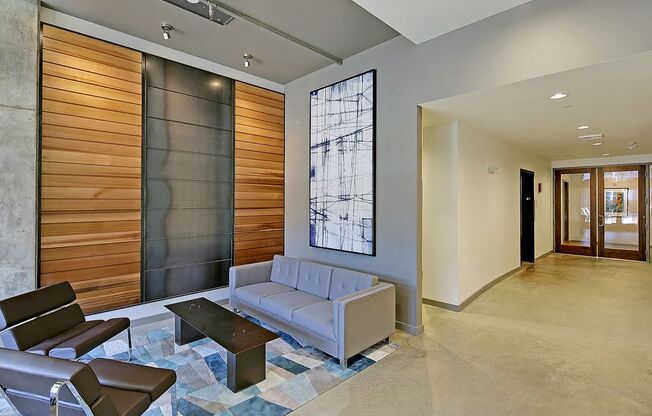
{"points": [[215, 5], [167, 30], [632, 146], [247, 59]]}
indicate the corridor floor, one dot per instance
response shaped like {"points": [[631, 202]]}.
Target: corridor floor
{"points": [[566, 336]]}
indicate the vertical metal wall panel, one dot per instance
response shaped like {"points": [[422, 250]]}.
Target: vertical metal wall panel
{"points": [[188, 179]]}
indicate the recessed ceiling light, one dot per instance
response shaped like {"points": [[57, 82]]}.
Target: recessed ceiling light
{"points": [[597, 144], [558, 96], [584, 127], [606, 154], [590, 137], [193, 1]]}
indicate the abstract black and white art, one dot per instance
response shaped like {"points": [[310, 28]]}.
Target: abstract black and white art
{"points": [[342, 164]]}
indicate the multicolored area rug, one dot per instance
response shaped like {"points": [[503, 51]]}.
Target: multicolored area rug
{"points": [[295, 374]]}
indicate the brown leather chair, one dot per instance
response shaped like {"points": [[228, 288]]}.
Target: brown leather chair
{"points": [[46, 322], [40, 386]]}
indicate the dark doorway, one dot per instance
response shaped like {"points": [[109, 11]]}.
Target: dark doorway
{"points": [[527, 216]]}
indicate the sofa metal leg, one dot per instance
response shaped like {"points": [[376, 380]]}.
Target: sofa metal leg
{"points": [[344, 363], [173, 400]]}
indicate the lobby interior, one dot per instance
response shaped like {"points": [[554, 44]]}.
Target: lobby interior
{"points": [[356, 207]]}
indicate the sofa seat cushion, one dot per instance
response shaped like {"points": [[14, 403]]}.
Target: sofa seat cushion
{"points": [[285, 270], [284, 304], [252, 294], [127, 403], [81, 344], [127, 376], [44, 347], [316, 318]]}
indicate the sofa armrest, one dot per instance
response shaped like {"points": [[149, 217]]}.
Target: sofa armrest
{"points": [[364, 318], [249, 274]]}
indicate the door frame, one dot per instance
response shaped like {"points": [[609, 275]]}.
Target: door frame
{"points": [[528, 172], [639, 255], [591, 250]]}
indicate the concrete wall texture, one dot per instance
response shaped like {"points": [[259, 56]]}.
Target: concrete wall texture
{"points": [[19, 20]]}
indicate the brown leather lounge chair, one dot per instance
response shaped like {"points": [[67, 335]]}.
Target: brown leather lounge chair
{"points": [[45, 322], [41, 386]]}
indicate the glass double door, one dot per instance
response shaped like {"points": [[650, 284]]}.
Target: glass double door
{"points": [[601, 212]]}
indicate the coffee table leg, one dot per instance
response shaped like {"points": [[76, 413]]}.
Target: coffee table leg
{"points": [[245, 369], [185, 333]]}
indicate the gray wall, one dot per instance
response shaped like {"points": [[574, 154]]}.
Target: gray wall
{"points": [[18, 145], [538, 38]]}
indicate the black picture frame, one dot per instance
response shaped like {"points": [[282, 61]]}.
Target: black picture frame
{"points": [[373, 153]]}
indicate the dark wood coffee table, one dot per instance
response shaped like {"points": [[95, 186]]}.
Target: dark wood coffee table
{"points": [[243, 340]]}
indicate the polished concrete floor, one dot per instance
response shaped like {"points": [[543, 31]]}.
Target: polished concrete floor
{"points": [[567, 336]]}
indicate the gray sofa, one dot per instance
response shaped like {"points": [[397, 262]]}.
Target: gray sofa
{"points": [[338, 311]]}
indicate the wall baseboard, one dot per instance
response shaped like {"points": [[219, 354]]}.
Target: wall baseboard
{"points": [[470, 299], [410, 329], [442, 305], [155, 311], [544, 255]]}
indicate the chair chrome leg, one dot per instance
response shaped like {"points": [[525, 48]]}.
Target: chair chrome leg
{"points": [[344, 363], [3, 394], [173, 400], [129, 346]]}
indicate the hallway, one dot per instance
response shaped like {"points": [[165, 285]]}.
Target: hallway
{"points": [[567, 336]]}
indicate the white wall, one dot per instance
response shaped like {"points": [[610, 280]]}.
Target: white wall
{"points": [[440, 163], [489, 219], [466, 250], [539, 38]]}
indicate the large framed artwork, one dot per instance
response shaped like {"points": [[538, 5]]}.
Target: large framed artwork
{"points": [[615, 202], [342, 165]]}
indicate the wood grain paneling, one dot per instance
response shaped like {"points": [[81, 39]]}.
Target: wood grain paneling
{"points": [[91, 104], [259, 173]]}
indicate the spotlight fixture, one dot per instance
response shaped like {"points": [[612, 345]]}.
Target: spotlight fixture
{"points": [[632, 146], [167, 30], [558, 96], [247, 59], [584, 127]]}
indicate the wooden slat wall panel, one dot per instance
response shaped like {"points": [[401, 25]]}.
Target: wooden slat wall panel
{"points": [[91, 103], [259, 173]]}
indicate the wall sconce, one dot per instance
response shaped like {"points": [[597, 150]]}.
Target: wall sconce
{"points": [[492, 170]]}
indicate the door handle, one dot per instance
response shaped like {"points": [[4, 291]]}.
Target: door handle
{"points": [[600, 217]]}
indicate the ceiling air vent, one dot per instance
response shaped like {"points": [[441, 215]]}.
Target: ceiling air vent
{"points": [[201, 9]]}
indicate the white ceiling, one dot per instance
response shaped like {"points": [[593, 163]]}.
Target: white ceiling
{"points": [[614, 98], [339, 27], [422, 20]]}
